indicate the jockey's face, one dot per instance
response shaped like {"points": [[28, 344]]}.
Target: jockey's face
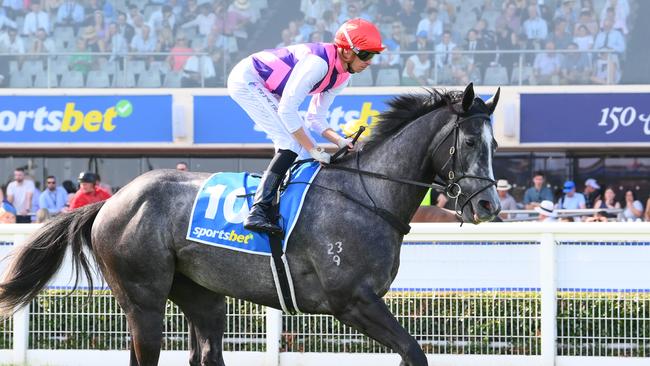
{"points": [[357, 65], [353, 62]]}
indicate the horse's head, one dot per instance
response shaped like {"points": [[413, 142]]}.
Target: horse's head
{"points": [[462, 155]]}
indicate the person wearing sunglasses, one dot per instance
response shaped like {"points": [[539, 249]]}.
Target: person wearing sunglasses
{"points": [[54, 197], [270, 86]]}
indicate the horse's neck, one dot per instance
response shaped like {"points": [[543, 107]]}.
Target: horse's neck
{"points": [[403, 155]]}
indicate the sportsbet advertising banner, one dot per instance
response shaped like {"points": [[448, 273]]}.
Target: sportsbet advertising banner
{"points": [[218, 119], [74, 119]]}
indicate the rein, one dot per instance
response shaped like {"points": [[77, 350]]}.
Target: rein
{"points": [[451, 187]]}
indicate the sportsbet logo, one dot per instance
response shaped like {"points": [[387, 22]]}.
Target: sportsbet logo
{"points": [[348, 121], [71, 119], [232, 235], [367, 118]]}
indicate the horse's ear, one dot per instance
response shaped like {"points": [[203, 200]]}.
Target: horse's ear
{"points": [[468, 97], [491, 104]]}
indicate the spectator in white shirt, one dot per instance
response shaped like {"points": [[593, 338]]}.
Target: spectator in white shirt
{"points": [[547, 65], [43, 44], [204, 21], [618, 11], [70, 13], [197, 70], [133, 12], [535, 28], [432, 25], [117, 44], [443, 50], [162, 17], [610, 38], [571, 200], [314, 8], [36, 19], [19, 194], [5, 21], [11, 43], [144, 42], [14, 8]]}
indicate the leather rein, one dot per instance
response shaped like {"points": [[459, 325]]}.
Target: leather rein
{"points": [[450, 187]]}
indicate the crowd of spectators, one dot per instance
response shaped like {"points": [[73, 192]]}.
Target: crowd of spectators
{"points": [[449, 26], [164, 42], [218, 30], [23, 202], [606, 203]]}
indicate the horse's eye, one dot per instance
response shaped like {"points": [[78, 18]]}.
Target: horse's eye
{"points": [[470, 142]]}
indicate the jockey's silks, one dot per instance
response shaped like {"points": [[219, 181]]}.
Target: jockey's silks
{"points": [[275, 66]]}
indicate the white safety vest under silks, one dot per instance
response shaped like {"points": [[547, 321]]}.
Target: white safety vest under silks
{"points": [[270, 86]]}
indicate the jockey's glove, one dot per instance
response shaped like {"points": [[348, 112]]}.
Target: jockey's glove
{"points": [[320, 155], [344, 142]]}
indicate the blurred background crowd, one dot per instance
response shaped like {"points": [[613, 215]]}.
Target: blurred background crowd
{"points": [[193, 43]]}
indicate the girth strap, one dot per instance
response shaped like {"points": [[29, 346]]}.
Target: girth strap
{"points": [[280, 275]]}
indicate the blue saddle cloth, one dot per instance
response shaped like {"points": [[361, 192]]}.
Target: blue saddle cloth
{"points": [[222, 204]]}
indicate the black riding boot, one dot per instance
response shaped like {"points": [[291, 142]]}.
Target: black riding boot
{"points": [[261, 218]]}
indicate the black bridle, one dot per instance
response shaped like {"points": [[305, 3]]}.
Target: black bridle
{"points": [[450, 186]]}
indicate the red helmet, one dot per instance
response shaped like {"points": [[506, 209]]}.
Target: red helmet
{"points": [[359, 34]]}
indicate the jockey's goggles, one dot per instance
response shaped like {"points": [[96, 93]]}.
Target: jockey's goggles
{"points": [[361, 54]]}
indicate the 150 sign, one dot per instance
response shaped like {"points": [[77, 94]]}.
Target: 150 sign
{"points": [[615, 117]]}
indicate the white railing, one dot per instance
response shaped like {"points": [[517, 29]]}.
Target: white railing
{"points": [[494, 294]]}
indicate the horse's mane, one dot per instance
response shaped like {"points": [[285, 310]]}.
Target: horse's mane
{"points": [[407, 108]]}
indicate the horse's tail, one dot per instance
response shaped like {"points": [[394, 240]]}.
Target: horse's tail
{"points": [[37, 261]]}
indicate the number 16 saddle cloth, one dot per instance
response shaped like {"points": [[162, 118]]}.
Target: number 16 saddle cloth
{"points": [[223, 201]]}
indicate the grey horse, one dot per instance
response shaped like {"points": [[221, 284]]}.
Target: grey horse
{"points": [[138, 236]]}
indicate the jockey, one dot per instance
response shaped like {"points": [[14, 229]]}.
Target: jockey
{"points": [[270, 86]]}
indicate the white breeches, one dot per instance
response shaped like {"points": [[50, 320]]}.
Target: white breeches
{"points": [[247, 88]]}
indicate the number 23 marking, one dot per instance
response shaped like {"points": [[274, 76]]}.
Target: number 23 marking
{"points": [[334, 250]]}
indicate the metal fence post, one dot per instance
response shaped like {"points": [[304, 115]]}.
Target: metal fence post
{"points": [[521, 68], [21, 335], [273, 336], [548, 288]]}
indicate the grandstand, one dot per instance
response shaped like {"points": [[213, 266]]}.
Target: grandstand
{"points": [[189, 43]]}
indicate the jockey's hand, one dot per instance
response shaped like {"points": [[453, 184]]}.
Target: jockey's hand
{"points": [[345, 142], [320, 155]]}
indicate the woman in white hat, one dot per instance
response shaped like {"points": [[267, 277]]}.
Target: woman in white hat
{"points": [[507, 201], [546, 210]]}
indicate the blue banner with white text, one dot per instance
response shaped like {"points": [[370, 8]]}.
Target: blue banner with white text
{"points": [[80, 119], [219, 119], [593, 118]]}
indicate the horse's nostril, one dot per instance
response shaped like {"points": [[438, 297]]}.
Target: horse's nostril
{"points": [[486, 205]]}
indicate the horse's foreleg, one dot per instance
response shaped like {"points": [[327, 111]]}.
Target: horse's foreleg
{"points": [[206, 314], [370, 315]]}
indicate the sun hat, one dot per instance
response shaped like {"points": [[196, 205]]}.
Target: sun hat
{"points": [[592, 183], [503, 185], [546, 208]]}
